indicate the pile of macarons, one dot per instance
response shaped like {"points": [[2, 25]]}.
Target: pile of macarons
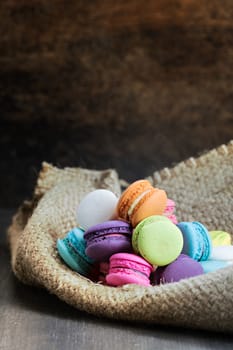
{"points": [[137, 239]]}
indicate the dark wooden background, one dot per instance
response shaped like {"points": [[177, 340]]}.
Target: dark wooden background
{"points": [[134, 85]]}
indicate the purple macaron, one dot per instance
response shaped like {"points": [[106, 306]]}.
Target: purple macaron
{"points": [[108, 238], [181, 268]]}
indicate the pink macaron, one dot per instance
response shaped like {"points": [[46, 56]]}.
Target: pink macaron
{"points": [[126, 268], [170, 210]]}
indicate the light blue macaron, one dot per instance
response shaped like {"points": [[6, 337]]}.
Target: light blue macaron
{"points": [[72, 250], [197, 241], [213, 265]]}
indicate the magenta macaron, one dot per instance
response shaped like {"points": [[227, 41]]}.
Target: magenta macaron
{"points": [[108, 238], [128, 269]]}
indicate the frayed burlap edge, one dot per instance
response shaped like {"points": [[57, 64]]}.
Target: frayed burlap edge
{"points": [[203, 190]]}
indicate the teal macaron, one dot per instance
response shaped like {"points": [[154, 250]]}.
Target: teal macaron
{"points": [[72, 250], [197, 241]]}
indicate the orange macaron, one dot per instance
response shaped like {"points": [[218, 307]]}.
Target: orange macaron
{"points": [[139, 201]]}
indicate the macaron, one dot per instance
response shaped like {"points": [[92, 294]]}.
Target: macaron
{"points": [[151, 219], [72, 250], [220, 238], [181, 268], [96, 207], [197, 241], [170, 206], [172, 218], [108, 238], [169, 211], [222, 253], [213, 265], [128, 269], [157, 240], [139, 201]]}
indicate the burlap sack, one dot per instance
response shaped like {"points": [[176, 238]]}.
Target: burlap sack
{"points": [[202, 189]]}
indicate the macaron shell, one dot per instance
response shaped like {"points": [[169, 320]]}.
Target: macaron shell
{"points": [[108, 238], [96, 207], [71, 258], [139, 201], [220, 238], [129, 196], [197, 242], [72, 250], [193, 244], [222, 253], [160, 242], [183, 267], [154, 205], [146, 221], [77, 241], [213, 265], [103, 248], [108, 227], [127, 269], [201, 229], [125, 277], [170, 207], [131, 261], [172, 218]]}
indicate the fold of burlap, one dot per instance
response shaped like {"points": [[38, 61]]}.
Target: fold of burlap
{"points": [[203, 191]]}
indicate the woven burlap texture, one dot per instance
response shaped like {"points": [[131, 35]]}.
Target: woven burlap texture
{"points": [[203, 191]]}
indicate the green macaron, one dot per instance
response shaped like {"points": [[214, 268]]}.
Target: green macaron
{"points": [[159, 241], [143, 223]]}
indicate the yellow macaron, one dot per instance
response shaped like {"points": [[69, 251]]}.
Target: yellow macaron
{"points": [[220, 238]]}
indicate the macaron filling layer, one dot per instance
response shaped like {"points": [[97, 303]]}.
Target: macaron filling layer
{"points": [[137, 201], [127, 270], [74, 252], [132, 265], [120, 230], [129, 195], [102, 248], [96, 238], [153, 203], [122, 278]]}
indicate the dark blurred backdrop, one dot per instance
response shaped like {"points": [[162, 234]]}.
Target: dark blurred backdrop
{"points": [[135, 85]]}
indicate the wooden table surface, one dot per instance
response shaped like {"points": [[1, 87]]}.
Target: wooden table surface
{"points": [[33, 319]]}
